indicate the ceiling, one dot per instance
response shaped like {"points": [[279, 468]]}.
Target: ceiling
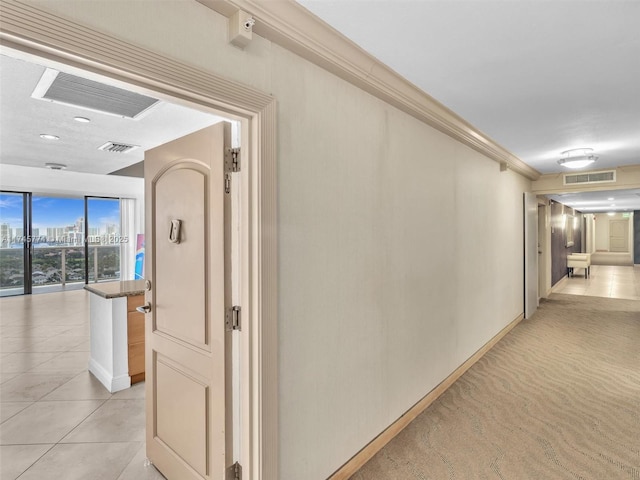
{"points": [[600, 202], [23, 119], [539, 77]]}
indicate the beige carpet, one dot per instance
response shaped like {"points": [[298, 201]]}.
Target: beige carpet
{"points": [[557, 398]]}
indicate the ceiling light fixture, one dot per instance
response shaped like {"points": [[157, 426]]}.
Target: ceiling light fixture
{"points": [[577, 158], [82, 119], [55, 166], [48, 136]]}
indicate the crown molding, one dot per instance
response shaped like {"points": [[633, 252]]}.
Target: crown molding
{"points": [[290, 25]]}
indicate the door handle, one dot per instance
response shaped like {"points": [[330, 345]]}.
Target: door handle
{"points": [[174, 231], [144, 308]]}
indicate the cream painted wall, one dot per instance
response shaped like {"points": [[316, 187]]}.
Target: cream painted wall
{"points": [[590, 234], [62, 182], [602, 232], [400, 250]]}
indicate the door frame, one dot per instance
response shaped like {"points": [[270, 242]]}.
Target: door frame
{"points": [[33, 33], [530, 249], [544, 240]]}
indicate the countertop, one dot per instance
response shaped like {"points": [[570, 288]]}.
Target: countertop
{"points": [[125, 288]]}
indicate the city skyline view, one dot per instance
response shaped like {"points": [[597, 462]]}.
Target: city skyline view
{"points": [[55, 217], [64, 250]]}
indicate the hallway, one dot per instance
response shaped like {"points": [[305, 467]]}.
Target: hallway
{"points": [[556, 398], [604, 281]]}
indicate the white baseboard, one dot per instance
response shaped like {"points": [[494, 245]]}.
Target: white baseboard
{"points": [[111, 383]]}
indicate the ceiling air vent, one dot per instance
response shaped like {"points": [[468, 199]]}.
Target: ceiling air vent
{"points": [[606, 176], [117, 147], [68, 89]]}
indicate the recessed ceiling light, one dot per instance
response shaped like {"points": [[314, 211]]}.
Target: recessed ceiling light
{"points": [[610, 198], [55, 166], [82, 119], [48, 136], [613, 204]]}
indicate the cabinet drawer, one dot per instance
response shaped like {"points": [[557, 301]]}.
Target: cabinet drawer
{"points": [[135, 327], [136, 358], [134, 302]]}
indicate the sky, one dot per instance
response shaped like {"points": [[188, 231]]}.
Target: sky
{"points": [[58, 212]]}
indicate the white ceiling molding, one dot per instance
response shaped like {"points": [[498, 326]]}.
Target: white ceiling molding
{"points": [[291, 26]]}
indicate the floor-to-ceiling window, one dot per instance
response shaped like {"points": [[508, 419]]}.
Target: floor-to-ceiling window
{"points": [[103, 239], [49, 241], [14, 247], [58, 241]]}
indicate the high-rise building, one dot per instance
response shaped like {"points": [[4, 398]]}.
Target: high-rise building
{"points": [[54, 234], [5, 234], [75, 238]]}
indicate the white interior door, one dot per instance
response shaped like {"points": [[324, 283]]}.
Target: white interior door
{"points": [[618, 235], [187, 434], [530, 254]]}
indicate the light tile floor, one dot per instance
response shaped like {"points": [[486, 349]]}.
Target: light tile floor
{"points": [[604, 281], [56, 420]]}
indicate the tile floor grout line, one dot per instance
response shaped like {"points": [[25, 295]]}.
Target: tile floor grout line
{"points": [[37, 459], [83, 420]]}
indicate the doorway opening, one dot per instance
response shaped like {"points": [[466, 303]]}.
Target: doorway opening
{"points": [[88, 266], [82, 50]]}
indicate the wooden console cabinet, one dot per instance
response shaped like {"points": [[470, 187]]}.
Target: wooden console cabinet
{"points": [[135, 338]]}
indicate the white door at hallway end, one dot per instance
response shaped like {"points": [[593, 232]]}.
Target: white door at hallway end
{"points": [[619, 235]]}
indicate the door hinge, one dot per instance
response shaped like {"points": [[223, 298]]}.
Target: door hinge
{"points": [[233, 318], [234, 472], [232, 160], [231, 165]]}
